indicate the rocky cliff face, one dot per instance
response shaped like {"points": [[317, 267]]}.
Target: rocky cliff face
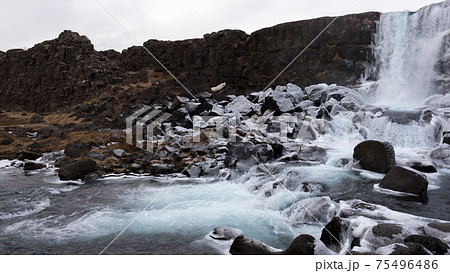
{"points": [[54, 74], [67, 70]]}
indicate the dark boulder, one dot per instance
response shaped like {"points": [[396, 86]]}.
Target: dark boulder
{"points": [[332, 233], [387, 230], [6, 141], [73, 150], [36, 119], [247, 246], [161, 168], [433, 244], [446, 138], [423, 167], [410, 249], [302, 245], [404, 180], [35, 147], [29, 166], [180, 117], [50, 131], [77, 169], [375, 156], [28, 155]]}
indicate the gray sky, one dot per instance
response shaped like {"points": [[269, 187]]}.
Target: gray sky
{"points": [[24, 23]]}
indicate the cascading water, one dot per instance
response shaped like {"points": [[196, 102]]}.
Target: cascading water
{"points": [[409, 48]]}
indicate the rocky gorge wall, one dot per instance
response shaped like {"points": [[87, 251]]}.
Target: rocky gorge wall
{"points": [[68, 70]]}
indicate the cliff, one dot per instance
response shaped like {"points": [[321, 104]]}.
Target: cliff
{"points": [[67, 71]]}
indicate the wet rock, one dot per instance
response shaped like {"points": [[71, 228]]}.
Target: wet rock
{"points": [[194, 171], [405, 180], [245, 155], [385, 234], [29, 166], [425, 167], [28, 155], [63, 160], [332, 234], [441, 155], [225, 233], [160, 168], [436, 246], [320, 210], [375, 156], [247, 246], [410, 249], [317, 93], [313, 153], [77, 169], [292, 156], [439, 230]]}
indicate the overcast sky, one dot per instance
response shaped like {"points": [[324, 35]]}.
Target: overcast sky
{"points": [[24, 23]]}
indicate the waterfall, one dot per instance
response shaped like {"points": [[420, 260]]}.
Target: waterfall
{"points": [[412, 54]]}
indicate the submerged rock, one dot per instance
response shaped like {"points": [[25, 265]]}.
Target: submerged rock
{"points": [[405, 180], [375, 156], [225, 233], [313, 153]]}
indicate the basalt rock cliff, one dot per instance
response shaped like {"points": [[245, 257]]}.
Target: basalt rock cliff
{"points": [[67, 71]]}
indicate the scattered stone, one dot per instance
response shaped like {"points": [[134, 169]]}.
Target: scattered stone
{"points": [[375, 156], [36, 119], [28, 155], [97, 156], [405, 180], [7, 141], [118, 152], [77, 170], [441, 155], [29, 166]]}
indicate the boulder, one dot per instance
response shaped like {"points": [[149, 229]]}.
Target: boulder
{"points": [[245, 155], [375, 156], [28, 155], [441, 155], [302, 245], [436, 246], [97, 156], [241, 105], [332, 234], [180, 117], [29, 166], [243, 245], [405, 180], [446, 138], [35, 147], [77, 169], [422, 167], [6, 141], [410, 249], [439, 230], [73, 150], [49, 131]]}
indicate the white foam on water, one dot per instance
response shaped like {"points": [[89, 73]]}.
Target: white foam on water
{"points": [[32, 207]]}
